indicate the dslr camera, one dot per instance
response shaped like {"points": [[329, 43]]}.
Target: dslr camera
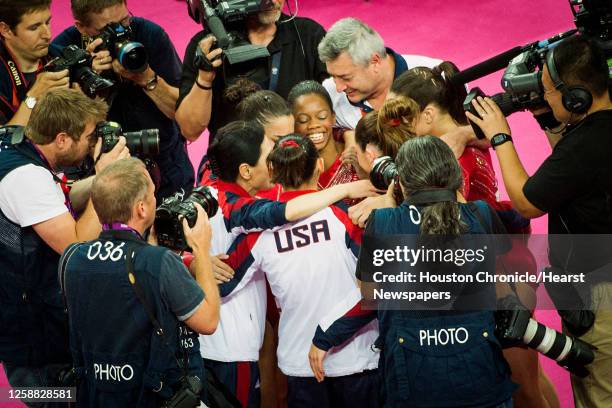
{"points": [[514, 326], [142, 142], [188, 396], [78, 62], [169, 216], [215, 15], [384, 171], [118, 40]]}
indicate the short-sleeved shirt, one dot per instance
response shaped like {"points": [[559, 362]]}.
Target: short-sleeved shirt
{"points": [[29, 195], [296, 40], [574, 186], [134, 110], [349, 113]]}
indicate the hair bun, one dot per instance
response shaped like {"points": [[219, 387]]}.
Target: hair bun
{"points": [[239, 90]]}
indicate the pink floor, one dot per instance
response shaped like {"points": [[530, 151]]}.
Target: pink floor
{"points": [[463, 31]]}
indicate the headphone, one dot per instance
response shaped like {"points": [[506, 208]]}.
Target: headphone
{"points": [[575, 98]]}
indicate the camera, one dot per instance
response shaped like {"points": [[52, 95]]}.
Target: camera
{"points": [[130, 54], [514, 326], [143, 142], [78, 62], [384, 171], [214, 15], [522, 78], [169, 215], [188, 396]]}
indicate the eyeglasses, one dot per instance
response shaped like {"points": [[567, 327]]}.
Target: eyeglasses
{"points": [[125, 22]]}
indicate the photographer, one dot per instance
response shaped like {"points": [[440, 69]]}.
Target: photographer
{"points": [[131, 338], [23, 52], [292, 45], [473, 373], [573, 186], [38, 222], [141, 100]]}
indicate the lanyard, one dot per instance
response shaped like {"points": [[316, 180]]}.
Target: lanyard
{"points": [[275, 71], [18, 81], [63, 181], [119, 226]]}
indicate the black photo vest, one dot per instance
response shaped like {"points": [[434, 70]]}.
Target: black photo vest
{"points": [[33, 321], [118, 356]]}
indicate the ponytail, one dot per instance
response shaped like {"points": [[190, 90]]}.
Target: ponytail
{"points": [[395, 124]]}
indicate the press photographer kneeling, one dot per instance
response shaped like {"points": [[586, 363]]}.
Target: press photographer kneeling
{"points": [[574, 187], [134, 310]]}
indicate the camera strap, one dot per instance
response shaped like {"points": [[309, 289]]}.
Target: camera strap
{"points": [[19, 83], [150, 313], [275, 70], [17, 140]]}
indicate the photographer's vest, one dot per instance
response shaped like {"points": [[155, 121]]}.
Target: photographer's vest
{"points": [[34, 329], [119, 359], [439, 359]]}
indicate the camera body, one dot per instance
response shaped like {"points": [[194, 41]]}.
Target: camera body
{"points": [[78, 62], [130, 54], [169, 216], [188, 396], [522, 78], [142, 143], [215, 15], [514, 326]]}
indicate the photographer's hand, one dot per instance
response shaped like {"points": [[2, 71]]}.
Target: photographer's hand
{"points": [[493, 120], [199, 236], [46, 81], [207, 71], [162, 94], [118, 152], [102, 60]]}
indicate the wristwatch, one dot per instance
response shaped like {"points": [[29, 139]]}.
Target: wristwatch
{"points": [[30, 102], [499, 139], [151, 83]]}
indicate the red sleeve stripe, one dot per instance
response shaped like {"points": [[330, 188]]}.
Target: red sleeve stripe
{"points": [[354, 232]]}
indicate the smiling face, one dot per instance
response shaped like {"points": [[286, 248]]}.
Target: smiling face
{"points": [[358, 82], [314, 119]]}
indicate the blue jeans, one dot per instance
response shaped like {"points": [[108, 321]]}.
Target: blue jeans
{"points": [[45, 376]]}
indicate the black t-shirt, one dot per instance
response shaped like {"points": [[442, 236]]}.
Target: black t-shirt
{"points": [[295, 66], [8, 94], [574, 186], [134, 110]]}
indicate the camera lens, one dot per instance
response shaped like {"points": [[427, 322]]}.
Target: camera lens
{"points": [[145, 142], [383, 172], [91, 83], [132, 55], [203, 196]]}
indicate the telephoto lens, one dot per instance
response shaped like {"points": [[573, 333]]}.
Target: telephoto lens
{"points": [[141, 143], [514, 326]]}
